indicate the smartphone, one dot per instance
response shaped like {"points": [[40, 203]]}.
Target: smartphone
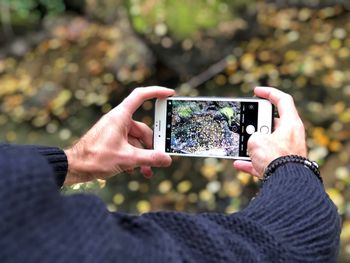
{"points": [[210, 126]]}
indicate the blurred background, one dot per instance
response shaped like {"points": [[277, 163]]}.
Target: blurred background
{"points": [[65, 63]]}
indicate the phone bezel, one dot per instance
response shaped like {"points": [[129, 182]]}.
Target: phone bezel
{"points": [[265, 118]]}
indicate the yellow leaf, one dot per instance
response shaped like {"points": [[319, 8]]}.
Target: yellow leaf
{"points": [[233, 189], [345, 233], [320, 137], [205, 196], [118, 199], [165, 186], [335, 146], [143, 206], [336, 197], [244, 178], [63, 97], [248, 61], [345, 116], [184, 186], [209, 171]]}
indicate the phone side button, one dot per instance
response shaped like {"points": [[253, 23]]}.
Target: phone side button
{"points": [[264, 129]]}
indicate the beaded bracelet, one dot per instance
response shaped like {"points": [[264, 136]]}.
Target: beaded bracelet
{"points": [[313, 166]]}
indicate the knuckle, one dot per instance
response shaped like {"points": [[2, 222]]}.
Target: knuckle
{"points": [[289, 98], [144, 126], [153, 156], [137, 92]]}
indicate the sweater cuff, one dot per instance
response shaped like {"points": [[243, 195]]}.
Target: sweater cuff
{"points": [[57, 160]]}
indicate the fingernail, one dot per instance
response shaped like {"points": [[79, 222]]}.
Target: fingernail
{"points": [[147, 172]]}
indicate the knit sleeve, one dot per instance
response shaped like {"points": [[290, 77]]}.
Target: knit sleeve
{"points": [[291, 220], [54, 156], [295, 209]]}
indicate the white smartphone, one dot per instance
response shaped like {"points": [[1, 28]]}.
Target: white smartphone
{"points": [[210, 126]]}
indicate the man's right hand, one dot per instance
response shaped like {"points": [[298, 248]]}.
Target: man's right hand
{"points": [[288, 137]]}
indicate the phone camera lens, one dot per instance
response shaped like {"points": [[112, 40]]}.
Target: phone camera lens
{"points": [[159, 136]]}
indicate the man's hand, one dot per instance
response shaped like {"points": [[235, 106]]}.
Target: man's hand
{"points": [[116, 142], [288, 137]]}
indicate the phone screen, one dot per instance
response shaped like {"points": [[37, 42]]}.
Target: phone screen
{"points": [[210, 128]]}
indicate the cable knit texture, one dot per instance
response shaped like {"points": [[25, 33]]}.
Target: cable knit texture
{"points": [[291, 220]]}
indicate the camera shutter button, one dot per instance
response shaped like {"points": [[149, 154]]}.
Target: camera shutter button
{"points": [[250, 129]]}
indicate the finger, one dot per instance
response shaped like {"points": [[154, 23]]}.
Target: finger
{"points": [[246, 167], [277, 123], [146, 171], [283, 101], [152, 158], [139, 95], [142, 132]]}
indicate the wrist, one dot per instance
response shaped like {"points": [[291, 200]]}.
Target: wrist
{"points": [[78, 170], [275, 164]]}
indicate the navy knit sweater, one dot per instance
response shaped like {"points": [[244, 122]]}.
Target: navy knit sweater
{"points": [[291, 220]]}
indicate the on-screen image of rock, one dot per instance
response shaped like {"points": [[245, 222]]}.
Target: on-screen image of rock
{"points": [[205, 127]]}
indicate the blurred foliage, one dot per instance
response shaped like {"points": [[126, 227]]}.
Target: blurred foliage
{"points": [[83, 67], [179, 17], [75, 68], [104, 10], [31, 10]]}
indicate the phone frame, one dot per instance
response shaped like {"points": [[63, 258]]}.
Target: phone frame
{"points": [[265, 109]]}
